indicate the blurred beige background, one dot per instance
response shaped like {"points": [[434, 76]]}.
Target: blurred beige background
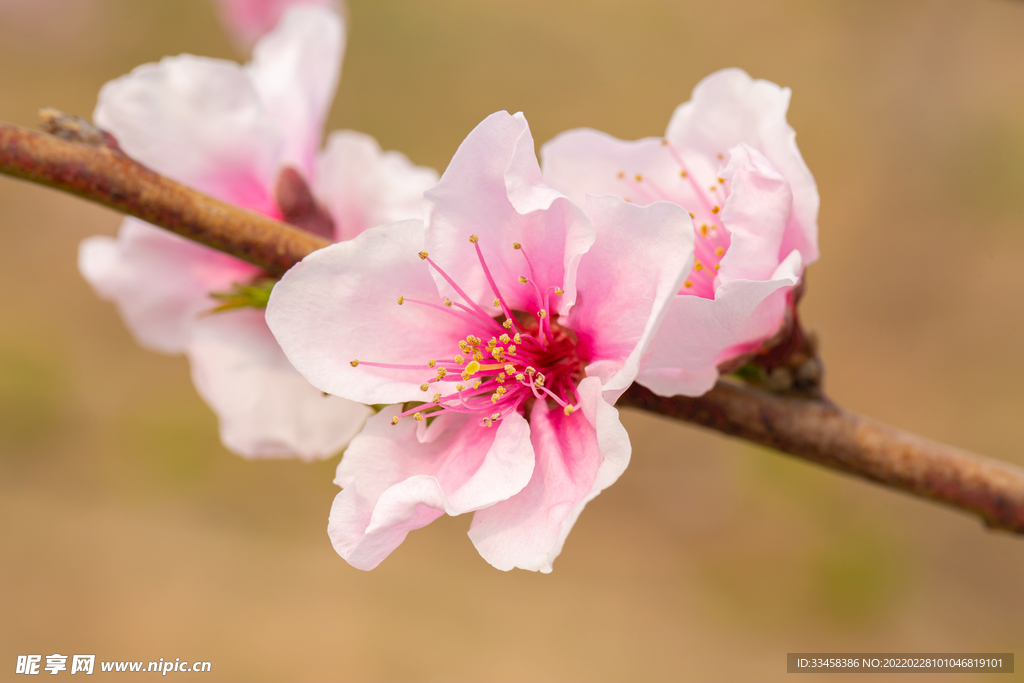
{"points": [[128, 532]]}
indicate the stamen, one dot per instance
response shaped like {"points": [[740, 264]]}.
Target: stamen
{"points": [[354, 363], [401, 300], [423, 255], [394, 420]]}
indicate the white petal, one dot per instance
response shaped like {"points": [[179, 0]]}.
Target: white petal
{"points": [[160, 282], [626, 283], [295, 71], [697, 334], [200, 122], [363, 186], [340, 304], [266, 409]]}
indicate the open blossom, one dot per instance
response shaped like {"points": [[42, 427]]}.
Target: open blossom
{"points": [[247, 135], [730, 158], [247, 20], [502, 332]]}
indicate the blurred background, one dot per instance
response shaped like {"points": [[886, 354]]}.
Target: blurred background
{"points": [[129, 532]]}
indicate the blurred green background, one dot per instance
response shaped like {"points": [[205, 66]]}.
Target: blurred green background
{"points": [[128, 531]]}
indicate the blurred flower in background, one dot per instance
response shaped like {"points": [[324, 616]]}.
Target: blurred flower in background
{"points": [[248, 135], [247, 20]]}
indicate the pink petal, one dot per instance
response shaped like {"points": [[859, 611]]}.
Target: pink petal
{"points": [[295, 70], [247, 20], [578, 456], [584, 161], [265, 407], [394, 482], [755, 214], [340, 304], [200, 122], [363, 186], [160, 282], [697, 334], [626, 283], [728, 108], [493, 188]]}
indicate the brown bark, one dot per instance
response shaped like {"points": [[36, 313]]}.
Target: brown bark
{"points": [[101, 173], [87, 163]]}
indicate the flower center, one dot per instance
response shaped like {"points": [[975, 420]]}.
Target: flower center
{"points": [[703, 199], [505, 362]]}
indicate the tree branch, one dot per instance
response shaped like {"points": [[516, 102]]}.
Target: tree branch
{"points": [[100, 172], [810, 428]]}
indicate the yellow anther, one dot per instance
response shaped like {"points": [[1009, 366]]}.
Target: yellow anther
{"points": [[664, 142], [517, 339], [431, 363], [394, 420], [542, 313], [716, 266], [540, 381], [418, 417], [441, 373], [475, 341], [465, 375], [721, 180], [437, 398], [568, 410], [540, 376], [423, 255], [719, 155], [712, 188], [473, 239], [698, 266], [504, 339], [501, 391], [498, 354], [529, 370], [497, 303], [516, 245], [627, 199], [460, 387], [719, 251], [495, 416], [500, 378], [691, 215], [472, 368], [400, 300], [478, 356], [704, 229], [621, 175], [424, 386], [507, 324], [682, 174], [487, 422], [459, 360], [510, 369], [492, 342], [715, 209], [353, 363], [478, 383], [512, 349], [464, 346], [447, 302], [520, 377], [495, 397], [687, 284], [559, 291], [523, 279]]}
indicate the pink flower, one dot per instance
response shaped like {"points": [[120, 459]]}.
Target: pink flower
{"points": [[248, 20], [517, 318], [247, 135], [731, 159]]}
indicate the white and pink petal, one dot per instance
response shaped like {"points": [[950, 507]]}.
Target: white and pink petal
{"points": [[394, 480], [264, 406]]}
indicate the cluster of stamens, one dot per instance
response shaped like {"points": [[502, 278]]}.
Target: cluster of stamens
{"points": [[527, 356], [712, 236]]}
